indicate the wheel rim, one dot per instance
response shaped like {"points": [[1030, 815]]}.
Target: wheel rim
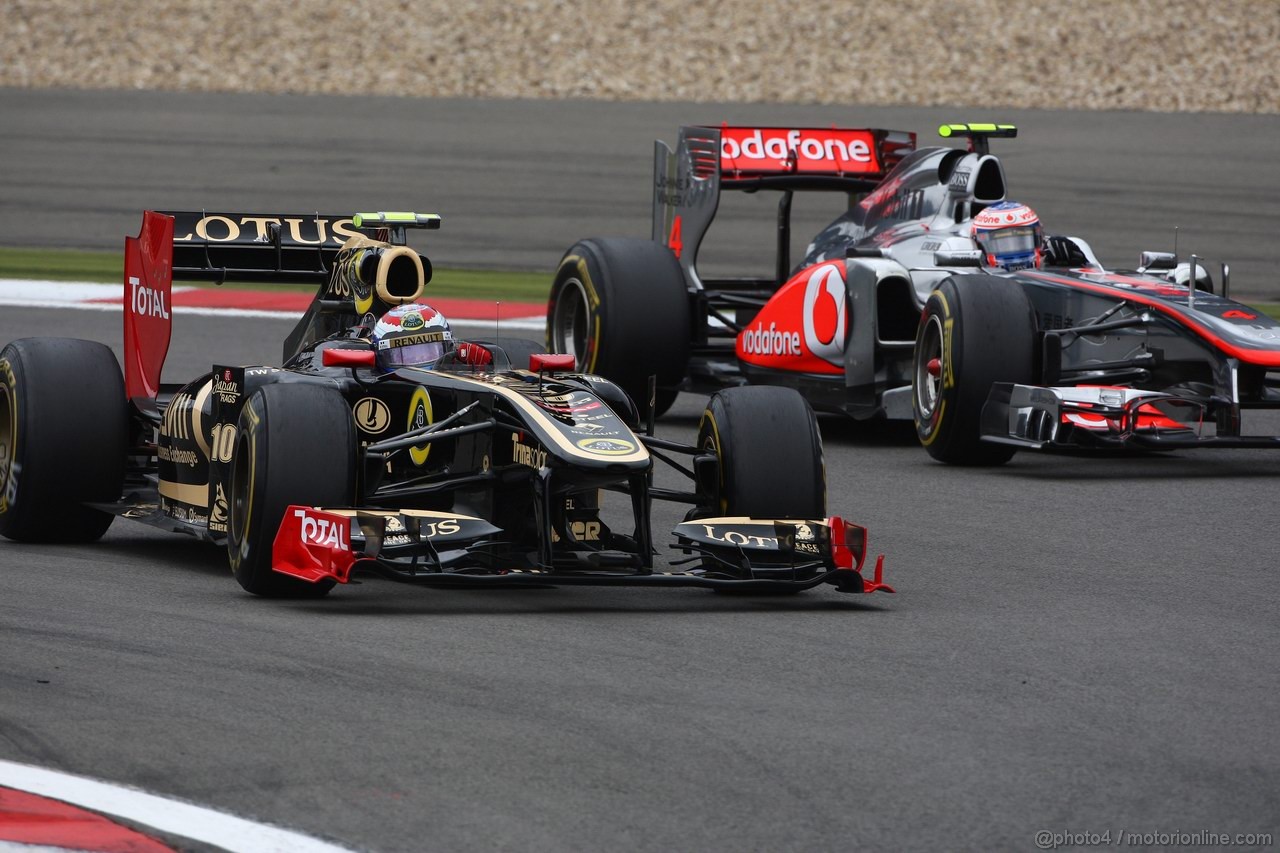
{"points": [[928, 384], [240, 487], [571, 321], [711, 444]]}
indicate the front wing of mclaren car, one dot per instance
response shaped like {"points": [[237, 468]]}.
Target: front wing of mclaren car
{"points": [[1110, 418], [1159, 366], [445, 548]]}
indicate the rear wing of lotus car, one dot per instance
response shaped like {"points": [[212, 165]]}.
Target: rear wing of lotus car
{"points": [[688, 180], [276, 247], [280, 248]]}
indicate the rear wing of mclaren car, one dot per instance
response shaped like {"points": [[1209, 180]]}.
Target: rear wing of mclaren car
{"points": [[687, 181], [262, 247]]}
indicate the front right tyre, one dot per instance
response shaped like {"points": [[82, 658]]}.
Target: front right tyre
{"points": [[296, 445]]}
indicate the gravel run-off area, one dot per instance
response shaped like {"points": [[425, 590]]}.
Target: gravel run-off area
{"points": [[1180, 55]]}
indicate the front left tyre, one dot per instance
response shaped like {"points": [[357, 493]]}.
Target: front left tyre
{"points": [[296, 445], [769, 453], [64, 429]]}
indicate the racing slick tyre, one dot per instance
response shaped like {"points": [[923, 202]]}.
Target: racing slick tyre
{"points": [[770, 453], [621, 308], [296, 445], [64, 431], [976, 330]]}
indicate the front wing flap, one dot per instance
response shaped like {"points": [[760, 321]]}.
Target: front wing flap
{"points": [[741, 549], [315, 545], [1108, 418]]}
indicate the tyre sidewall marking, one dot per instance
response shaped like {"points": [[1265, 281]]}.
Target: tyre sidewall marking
{"points": [[9, 444], [253, 487], [593, 313]]}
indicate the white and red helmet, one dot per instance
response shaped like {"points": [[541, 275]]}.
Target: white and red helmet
{"points": [[412, 335], [1010, 236]]}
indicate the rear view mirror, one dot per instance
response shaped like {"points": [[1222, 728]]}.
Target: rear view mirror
{"points": [[337, 357], [548, 361], [958, 258]]}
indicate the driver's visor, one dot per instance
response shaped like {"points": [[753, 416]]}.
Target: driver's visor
{"points": [[415, 355], [1018, 240]]}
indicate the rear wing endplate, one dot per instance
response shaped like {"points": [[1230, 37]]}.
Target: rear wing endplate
{"points": [[148, 308], [203, 246], [688, 180]]}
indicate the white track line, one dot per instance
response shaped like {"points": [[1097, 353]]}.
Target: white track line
{"points": [[58, 294], [162, 814]]}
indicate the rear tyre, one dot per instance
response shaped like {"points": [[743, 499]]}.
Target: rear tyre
{"points": [[296, 445], [64, 429], [621, 308], [975, 331], [770, 451]]}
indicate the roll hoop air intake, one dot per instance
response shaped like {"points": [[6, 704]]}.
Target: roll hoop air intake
{"points": [[394, 275], [383, 273]]}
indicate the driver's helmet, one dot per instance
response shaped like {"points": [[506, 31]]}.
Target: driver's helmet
{"points": [[1009, 235], [412, 335]]}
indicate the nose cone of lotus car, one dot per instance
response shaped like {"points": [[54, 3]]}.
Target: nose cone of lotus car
{"points": [[579, 427]]}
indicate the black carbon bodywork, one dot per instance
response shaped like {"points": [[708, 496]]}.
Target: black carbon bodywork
{"points": [[466, 471]]}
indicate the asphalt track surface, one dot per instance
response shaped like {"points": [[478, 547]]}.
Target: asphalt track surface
{"points": [[518, 181], [1078, 645]]}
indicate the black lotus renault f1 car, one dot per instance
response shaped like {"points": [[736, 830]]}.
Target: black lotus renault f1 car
{"points": [[892, 312], [490, 472]]}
